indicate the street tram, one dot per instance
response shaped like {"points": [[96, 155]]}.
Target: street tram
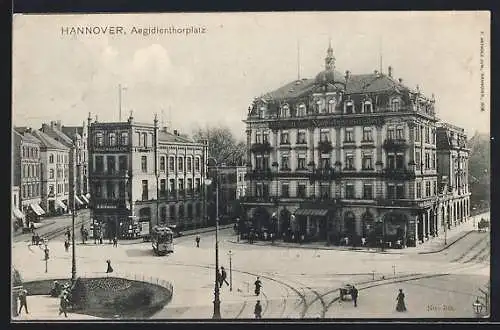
{"points": [[162, 238]]}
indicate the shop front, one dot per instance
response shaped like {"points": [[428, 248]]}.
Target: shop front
{"points": [[312, 224]]}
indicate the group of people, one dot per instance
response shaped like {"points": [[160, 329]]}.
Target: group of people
{"points": [[36, 239], [400, 299]]}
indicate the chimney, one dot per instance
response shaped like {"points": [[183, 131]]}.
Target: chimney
{"points": [[175, 132], [400, 80], [58, 125], [390, 71], [164, 129], [131, 117], [52, 124], [347, 75]]}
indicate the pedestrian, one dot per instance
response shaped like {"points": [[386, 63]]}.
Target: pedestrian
{"points": [[258, 310], [100, 237], [223, 277], [22, 301], [66, 245], [197, 239], [115, 241], [400, 306], [258, 285], [68, 234], [33, 239], [354, 295], [109, 269], [64, 303]]}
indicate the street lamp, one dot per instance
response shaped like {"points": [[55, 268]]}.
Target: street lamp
{"points": [[73, 255], [276, 226], [230, 270], [216, 314]]}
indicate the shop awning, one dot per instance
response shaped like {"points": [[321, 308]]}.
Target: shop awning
{"points": [[61, 204], [85, 199], [37, 209], [78, 200], [311, 212], [17, 213]]}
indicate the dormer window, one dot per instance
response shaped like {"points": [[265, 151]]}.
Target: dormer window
{"points": [[349, 107], [262, 111], [331, 105], [285, 111], [302, 110], [367, 107], [395, 106], [99, 140]]}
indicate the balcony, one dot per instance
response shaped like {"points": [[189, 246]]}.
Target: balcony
{"points": [[397, 202], [323, 174], [108, 203], [398, 173], [261, 147], [395, 144], [258, 199], [325, 147], [260, 174], [118, 174]]}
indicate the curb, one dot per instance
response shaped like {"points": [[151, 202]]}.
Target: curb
{"points": [[358, 250]]}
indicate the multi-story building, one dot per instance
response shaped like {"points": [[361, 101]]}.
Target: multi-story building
{"points": [[27, 173], [232, 186], [73, 141], [453, 169], [54, 177], [143, 171], [344, 155], [79, 136]]}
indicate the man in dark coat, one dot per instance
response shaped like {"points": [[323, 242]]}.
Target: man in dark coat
{"points": [[354, 295], [197, 239], [223, 277], [258, 285], [258, 310], [22, 301]]}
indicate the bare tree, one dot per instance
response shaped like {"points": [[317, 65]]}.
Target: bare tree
{"points": [[222, 145]]}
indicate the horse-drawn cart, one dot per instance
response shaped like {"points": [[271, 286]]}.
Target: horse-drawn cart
{"points": [[346, 290]]}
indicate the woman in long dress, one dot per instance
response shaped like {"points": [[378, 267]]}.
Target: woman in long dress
{"points": [[400, 306], [109, 269]]}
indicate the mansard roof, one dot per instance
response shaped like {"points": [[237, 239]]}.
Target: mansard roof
{"points": [[48, 142]]}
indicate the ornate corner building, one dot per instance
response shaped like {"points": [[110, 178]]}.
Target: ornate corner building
{"points": [[356, 156], [141, 172]]}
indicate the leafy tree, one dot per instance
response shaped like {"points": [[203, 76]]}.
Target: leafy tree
{"points": [[479, 169], [222, 145]]}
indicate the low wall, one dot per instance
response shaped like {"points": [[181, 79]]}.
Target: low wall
{"points": [[111, 297]]}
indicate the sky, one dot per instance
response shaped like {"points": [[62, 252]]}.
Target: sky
{"points": [[206, 79]]}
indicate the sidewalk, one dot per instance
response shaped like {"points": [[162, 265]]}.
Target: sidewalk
{"points": [[184, 233], [432, 245], [47, 308]]}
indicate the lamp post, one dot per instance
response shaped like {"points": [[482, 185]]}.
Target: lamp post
{"points": [[276, 226], [230, 270], [73, 256], [216, 314], [478, 307]]}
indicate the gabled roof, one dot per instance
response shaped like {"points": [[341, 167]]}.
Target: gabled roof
{"points": [[169, 137], [48, 142], [72, 130], [26, 135], [57, 135]]}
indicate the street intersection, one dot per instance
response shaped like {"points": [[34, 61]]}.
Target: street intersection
{"points": [[300, 282]]}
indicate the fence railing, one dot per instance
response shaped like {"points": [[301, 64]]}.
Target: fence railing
{"points": [[132, 277]]}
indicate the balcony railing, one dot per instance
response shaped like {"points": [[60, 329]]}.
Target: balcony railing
{"points": [[325, 146], [108, 203], [110, 173], [397, 144], [261, 147], [398, 173]]}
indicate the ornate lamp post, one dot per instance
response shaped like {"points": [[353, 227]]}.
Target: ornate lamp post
{"points": [[216, 314]]}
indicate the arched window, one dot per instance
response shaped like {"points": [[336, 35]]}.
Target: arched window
{"points": [[285, 111], [395, 105], [331, 105], [262, 111], [368, 226], [51, 173], [98, 140], [123, 139], [349, 107], [367, 107], [302, 110]]}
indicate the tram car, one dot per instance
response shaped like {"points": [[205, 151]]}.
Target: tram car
{"points": [[162, 238]]}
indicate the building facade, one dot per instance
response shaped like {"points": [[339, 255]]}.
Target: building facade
{"points": [[27, 173], [79, 136], [232, 187], [143, 171], [453, 169], [55, 158], [72, 139], [344, 156]]}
